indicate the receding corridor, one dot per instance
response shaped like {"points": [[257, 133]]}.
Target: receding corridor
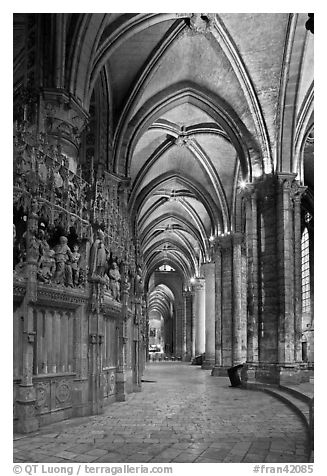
{"points": [[182, 415]]}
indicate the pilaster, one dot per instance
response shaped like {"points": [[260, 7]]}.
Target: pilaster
{"points": [[26, 398], [95, 337]]}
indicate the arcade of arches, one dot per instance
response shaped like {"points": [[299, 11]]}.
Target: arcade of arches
{"points": [[163, 202]]}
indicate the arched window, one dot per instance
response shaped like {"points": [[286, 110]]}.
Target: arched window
{"points": [[306, 301]]}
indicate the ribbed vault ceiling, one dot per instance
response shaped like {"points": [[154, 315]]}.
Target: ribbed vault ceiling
{"points": [[195, 107], [189, 105]]}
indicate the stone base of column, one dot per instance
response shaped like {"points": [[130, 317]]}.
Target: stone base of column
{"points": [[276, 374], [305, 372], [187, 358], [120, 386], [220, 371], [289, 374], [80, 398], [208, 364], [96, 394], [27, 419]]}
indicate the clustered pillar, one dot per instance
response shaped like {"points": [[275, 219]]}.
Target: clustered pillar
{"points": [[247, 307], [274, 308], [230, 302]]}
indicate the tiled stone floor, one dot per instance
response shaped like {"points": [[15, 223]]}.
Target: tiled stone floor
{"points": [[182, 415]]}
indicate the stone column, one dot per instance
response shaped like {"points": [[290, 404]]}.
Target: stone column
{"points": [[218, 368], [200, 316], [251, 237], [188, 303], [184, 327], [179, 317], [239, 303], [297, 192], [60, 54], [63, 121], [209, 274], [225, 243], [138, 323], [268, 281], [287, 369], [194, 299]]}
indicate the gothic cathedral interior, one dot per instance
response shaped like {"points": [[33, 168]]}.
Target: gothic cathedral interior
{"points": [[163, 202]]}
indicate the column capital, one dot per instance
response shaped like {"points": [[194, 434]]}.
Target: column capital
{"points": [[199, 284], [297, 191], [238, 238], [248, 192], [187, 293], [207, 266], [224, 241], [286, 179]]}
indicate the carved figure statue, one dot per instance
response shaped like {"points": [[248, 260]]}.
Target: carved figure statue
{"points": [[33, 246], [98, 256], [138, 281], [63, 254], [114, 276], [82, 265], [44, 245], [75, 260], [47, 266]]}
